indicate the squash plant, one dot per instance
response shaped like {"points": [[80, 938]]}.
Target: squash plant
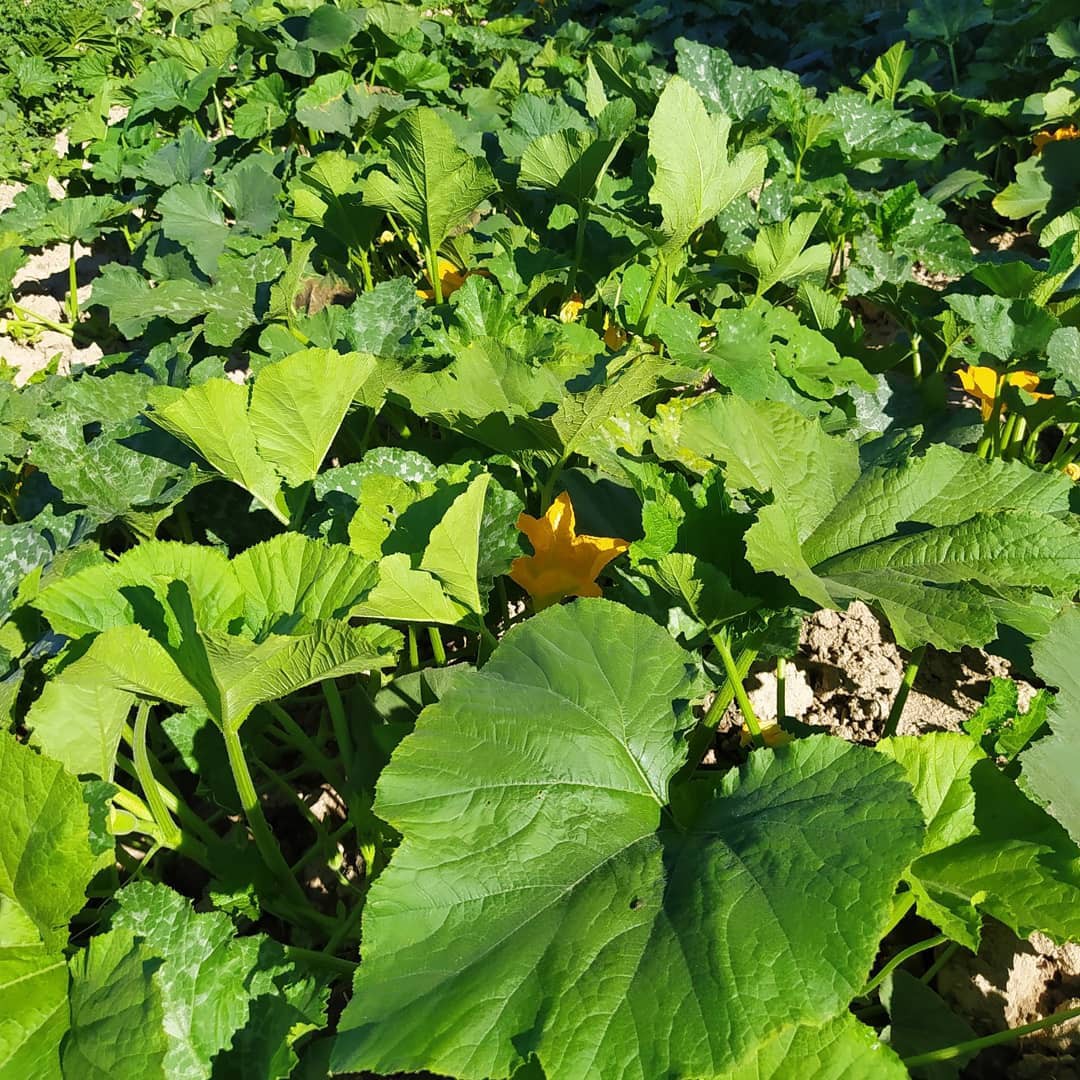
{"points": [[483, 394]]}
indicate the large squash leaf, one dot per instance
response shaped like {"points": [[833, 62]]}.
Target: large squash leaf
{"points": [[694, 176], [988, 849], [544, 900], [944, 544], [1052, 764]]}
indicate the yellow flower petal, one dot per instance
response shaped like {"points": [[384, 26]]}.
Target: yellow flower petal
{"points": [[1027, 381], [1072, 471], [981, 383], [450, 277], [571, 309], [563, 563], [1040, 139], [771, 735]]}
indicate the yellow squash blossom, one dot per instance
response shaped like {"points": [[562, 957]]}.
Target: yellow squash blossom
{"points": [[983, 384], [1072, 471], [772, 734], [563, 563], [1043, 137], [451, 278], [571, 309]]}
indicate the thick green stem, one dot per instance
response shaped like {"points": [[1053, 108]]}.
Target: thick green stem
{"points": [[340, 723], [223, 131], [654, 291], [902, 956], [942, 959], [300, 741], [33, 319], [437, 648], [781, 689], [916, 357], [897, 710], [260, 830], [579, 249], [433, 273], [320, 959], [73, 287], [973, 1046], [169, 834], [952, 64], [413, 648], [735, 679], [365, 269]]}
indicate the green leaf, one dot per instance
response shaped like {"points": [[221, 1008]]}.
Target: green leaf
{"points": [[987, 847], [204, 977], [326, 103], [453, 549], [45, 857], [385, 320], [406, 595], [265, 108], [936, 541], [568, 903], [78, 719], [920, 1022], [870, 130], [298, 404], [116, 1012], [694, 179], [194, 218], [213, 420], [182, 161], [779, 253], [1050, 764], [181, 624], [840, 1049], [33, 998], [432, 184], [946, 20]]}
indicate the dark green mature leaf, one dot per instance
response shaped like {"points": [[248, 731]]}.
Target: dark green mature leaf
{"points": [[869, 130], [45, 857], [385, 320], [570, 924], [192, 216], [920, 1021], [202, 962], [944, 544], [1050, 764], [183, 161]]}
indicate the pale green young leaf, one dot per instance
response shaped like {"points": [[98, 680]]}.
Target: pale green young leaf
{"points": [[453, 548], [694, 178], [406, 595], [430, 182], [213, 420], [79, 717], [779, 253], [298, 404], [290, 583], [573, 922]]}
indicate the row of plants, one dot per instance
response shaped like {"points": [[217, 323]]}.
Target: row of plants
{"points": [[418, 323]]}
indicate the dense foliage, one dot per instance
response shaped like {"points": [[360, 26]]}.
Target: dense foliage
{"points": [[418, 322]]}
